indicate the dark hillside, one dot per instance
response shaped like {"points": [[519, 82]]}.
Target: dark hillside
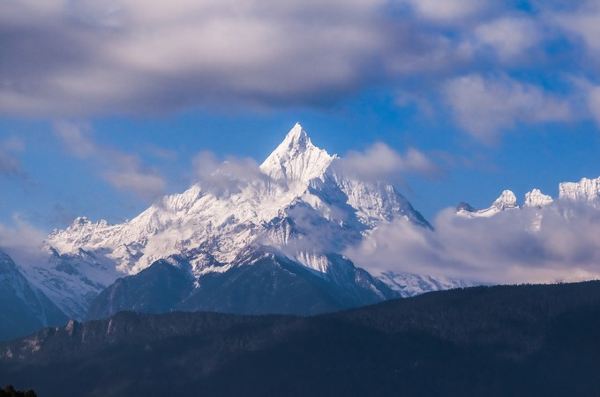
{"points": [[496, 341]]}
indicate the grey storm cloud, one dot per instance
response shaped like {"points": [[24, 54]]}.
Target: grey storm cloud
{"points": [[94, 56], [64, 58], [106, 56]]}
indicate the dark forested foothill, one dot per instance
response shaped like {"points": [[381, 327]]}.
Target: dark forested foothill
{"points": [[484, 341], [10, 391]]}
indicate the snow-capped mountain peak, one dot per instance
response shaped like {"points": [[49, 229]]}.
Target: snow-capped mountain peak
{"points": [[584, 190], [297, 205], [297, 136], [297, 159], [506, 200], [537, 199]]}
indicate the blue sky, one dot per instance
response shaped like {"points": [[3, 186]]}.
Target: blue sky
{"points": [[495, 95]]}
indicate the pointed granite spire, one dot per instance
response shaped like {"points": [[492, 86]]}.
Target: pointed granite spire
{"points": [[297, 136], [296, 158]]}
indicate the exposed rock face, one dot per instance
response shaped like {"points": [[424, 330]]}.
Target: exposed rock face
{"points": [[24, 308]]}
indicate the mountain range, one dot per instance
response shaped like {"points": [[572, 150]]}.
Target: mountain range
{"points": [[244, 239], [586, 191]]}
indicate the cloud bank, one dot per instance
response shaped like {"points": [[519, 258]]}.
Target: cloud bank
{"points": [[92, 57], [501, 249], [138, 56]]}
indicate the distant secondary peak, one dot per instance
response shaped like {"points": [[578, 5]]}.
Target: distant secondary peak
{"points": [[84, 222], [466, 207], [81, 220], [537, 199], [507, 199], [584, 190], [297, 158]]}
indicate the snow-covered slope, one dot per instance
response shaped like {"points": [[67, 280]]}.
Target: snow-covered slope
{"points": [[537, 199], [297, 203], [73, 280], [297, 159], [506, 201], [300, 188], [409, 284]]}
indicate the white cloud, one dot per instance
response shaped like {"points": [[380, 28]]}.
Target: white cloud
{"points": [[123, 171], [501, 249], [510, 37], [10, 165], [449, 10], [594, 102], [583, 23], [21, 240], [132, 179], [379, 162], [486, 107], [224, 177], [76, 138]]}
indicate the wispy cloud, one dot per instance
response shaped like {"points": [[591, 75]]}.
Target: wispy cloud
{"points": [[122, 170], [454, 11], [10, 165], [227, 176], [511, 38], [22, 240], [380, 162], [489, 106]]}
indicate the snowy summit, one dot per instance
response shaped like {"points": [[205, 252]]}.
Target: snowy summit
{"points": [[299, 207]]}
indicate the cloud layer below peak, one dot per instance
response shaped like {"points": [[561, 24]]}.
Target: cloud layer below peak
{"points": [[554, 244]]}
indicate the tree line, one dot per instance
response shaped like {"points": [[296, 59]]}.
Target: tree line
{"points": [[10, 391]]}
